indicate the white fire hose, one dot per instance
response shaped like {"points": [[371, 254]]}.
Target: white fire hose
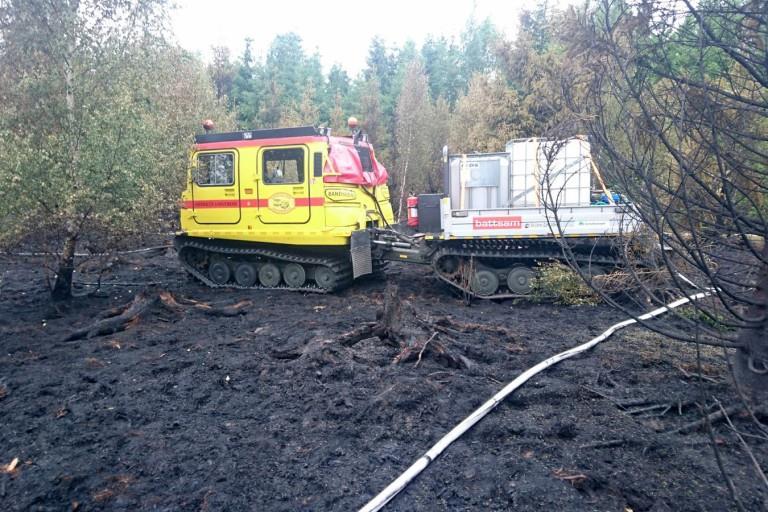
{"points": [[393, 489]]}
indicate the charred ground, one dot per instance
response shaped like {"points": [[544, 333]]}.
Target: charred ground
{"points": [[260, 408]]}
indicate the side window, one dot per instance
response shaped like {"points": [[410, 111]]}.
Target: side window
{"points": [[283, 166], [318, 165], [365, 158], [215, 169]]}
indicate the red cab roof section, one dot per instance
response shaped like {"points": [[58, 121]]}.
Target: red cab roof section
{"points": [[355, 164]]}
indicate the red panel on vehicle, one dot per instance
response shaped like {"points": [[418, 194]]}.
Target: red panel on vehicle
{"points": [[344, 165], [507, 222]]}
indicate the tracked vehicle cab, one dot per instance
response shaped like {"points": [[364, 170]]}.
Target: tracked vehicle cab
{"points": [[277, 208]]}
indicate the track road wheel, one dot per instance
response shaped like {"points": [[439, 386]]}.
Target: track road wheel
{"points": [[269, 275], [245, 274], [520, 280], [219, 271], [485, 283], [325, 277], [448, 265], [294, 275]]}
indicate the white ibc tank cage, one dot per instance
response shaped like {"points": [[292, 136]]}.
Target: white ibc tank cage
{"points": [[532, 173], [549, 172]]}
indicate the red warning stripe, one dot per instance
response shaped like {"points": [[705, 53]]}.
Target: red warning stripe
{"points": [[211, 203], [200, 204], [308, 201]]}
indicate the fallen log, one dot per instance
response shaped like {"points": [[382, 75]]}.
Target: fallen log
{"points": [[706, 420], [116, 322], [227, 310], [318, 344], [357, 334], [169, 301], [463, 327], [239, 308]]}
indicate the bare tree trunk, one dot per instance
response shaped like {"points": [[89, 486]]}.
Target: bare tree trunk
{"points": [[405, 175], [62, 287], [69, 74], [750, 364]]}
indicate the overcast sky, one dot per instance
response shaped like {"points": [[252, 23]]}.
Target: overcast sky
{"points": [[339, 31]]}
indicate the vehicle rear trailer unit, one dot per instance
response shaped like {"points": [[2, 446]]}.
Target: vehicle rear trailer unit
{"points": [[505, 213]]}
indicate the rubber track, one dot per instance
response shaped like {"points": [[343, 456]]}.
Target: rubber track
{"points": [[522, 250], [341, 268]]}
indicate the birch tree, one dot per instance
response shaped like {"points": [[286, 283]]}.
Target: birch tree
{"points": [[92, 119], [414, 116]]}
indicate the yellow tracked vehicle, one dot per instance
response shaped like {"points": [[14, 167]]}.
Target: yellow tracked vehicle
{"points": [[299, 209], [281, 208]]}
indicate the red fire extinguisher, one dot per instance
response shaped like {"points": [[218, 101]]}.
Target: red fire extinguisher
{"points": [[413, 211]]}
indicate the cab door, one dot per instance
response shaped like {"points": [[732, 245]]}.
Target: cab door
{"points": [[284, 185], [215, 192]]}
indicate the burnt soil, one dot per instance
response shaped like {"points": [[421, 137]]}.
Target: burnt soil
{"points": [[188, 411]]}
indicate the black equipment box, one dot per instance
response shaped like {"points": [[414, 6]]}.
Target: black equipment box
{"points": [[429, 213]]}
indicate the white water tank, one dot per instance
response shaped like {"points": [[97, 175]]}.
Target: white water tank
{"points": [[545, 171], [531, 173]]}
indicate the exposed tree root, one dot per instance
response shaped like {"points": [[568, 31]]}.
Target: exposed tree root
{"points": [[448, 324], [575, 478], [116, 319], [178, 304], [357, 334], [714, 417], [610, 443], [399, 325], [413, 334], [122, 317]]}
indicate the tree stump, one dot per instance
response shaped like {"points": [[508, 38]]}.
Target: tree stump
{"points": [[400, 325]]}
